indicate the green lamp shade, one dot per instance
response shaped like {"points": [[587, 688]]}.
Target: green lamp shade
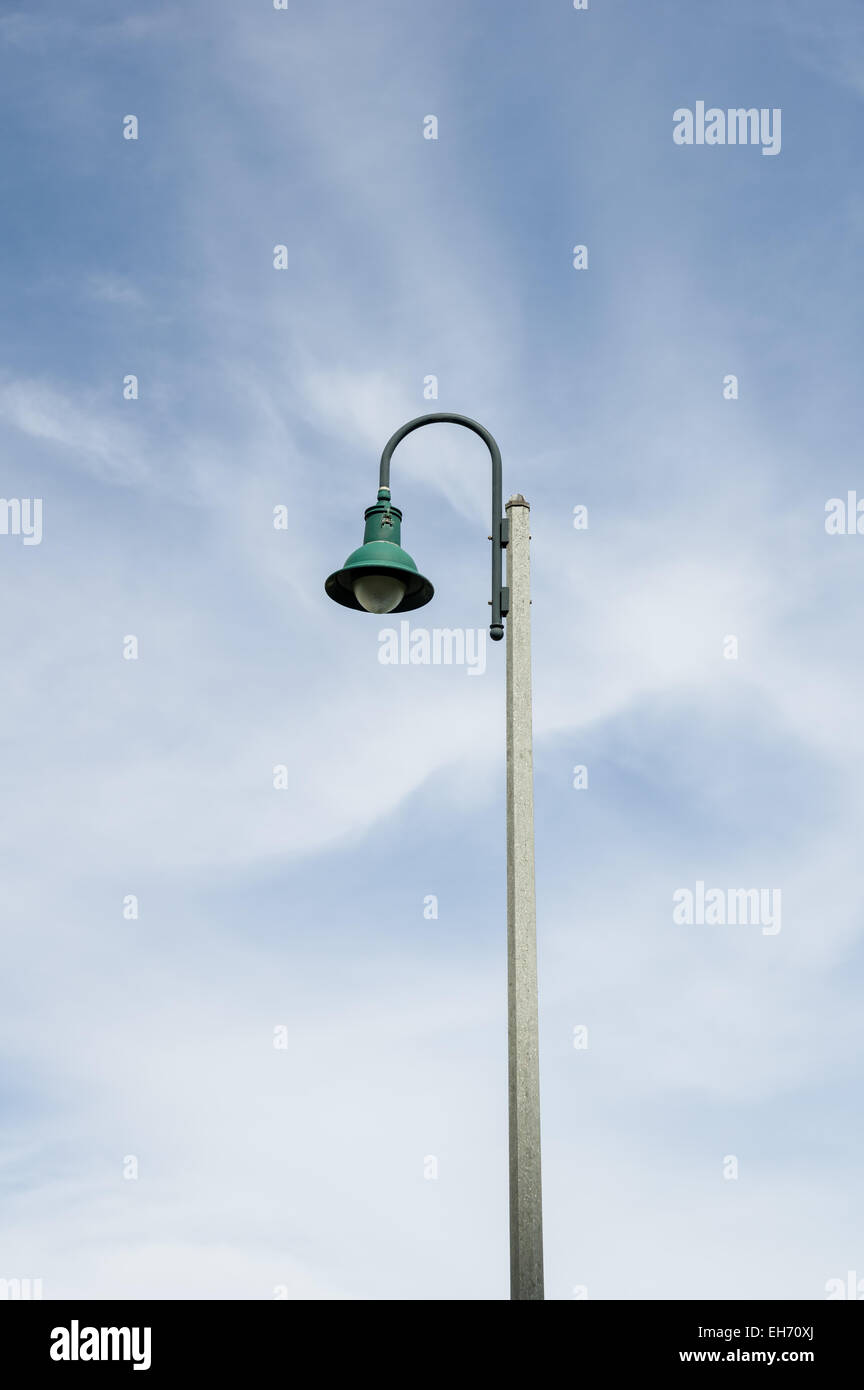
{"points": [[380, 577]]}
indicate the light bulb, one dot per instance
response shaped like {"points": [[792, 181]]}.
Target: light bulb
{"points": [[379, 593]]}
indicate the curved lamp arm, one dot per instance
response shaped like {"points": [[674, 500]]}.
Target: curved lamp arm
{"points": [[499, 538]]}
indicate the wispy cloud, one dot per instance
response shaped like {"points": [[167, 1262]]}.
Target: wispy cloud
{"points": [[303, 907]]}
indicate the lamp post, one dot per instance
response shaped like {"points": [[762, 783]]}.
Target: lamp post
{"points": [[381, 577]]}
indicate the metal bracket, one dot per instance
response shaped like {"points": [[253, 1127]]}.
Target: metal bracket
{"points": [[500, 524]]}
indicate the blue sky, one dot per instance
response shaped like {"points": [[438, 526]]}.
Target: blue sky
{"points": [[303, 1168]]}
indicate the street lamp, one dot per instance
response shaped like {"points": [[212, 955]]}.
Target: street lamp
{"points": [[381, 577]]}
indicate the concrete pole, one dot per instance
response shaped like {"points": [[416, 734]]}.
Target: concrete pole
{"points": [[526, 1216]]}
